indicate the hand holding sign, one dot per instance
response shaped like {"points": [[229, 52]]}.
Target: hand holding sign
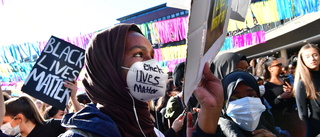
{"points": [[73, 86], [210, 96], [59, 61], [208, 23]]}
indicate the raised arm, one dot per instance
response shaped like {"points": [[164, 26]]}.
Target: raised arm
{"points": [[73, 86], [209, 94]]}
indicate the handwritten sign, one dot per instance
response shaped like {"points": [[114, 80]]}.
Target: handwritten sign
{"points": [[59, 61]]}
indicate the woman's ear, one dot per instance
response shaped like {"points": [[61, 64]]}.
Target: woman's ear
{"points": [[20, 116], [269, 68], [18, 120]]}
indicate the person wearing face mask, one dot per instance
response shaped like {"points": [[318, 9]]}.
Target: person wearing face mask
{"points": [[22, 119], [244, 113], [120, 77]]}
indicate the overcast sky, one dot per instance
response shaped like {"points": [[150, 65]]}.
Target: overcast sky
{"points": [[36, 20]]}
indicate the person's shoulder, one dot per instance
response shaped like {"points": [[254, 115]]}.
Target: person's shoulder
{"points": [[51, 121], [73, 132], [92, 120], [3, 135], [300, 85]]}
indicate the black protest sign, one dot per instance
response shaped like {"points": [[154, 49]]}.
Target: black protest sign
{"points": [[59, 61]]}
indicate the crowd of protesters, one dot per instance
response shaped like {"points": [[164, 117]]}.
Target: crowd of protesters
{"points": [[236, 97]]}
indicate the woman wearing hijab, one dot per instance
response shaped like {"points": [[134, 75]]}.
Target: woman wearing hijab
{"points": [[242, 95], [113, 59], [227, 63]]}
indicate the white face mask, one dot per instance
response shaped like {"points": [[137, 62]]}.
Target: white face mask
{"points": [[246, 112], [9, 130], [146, 80]]}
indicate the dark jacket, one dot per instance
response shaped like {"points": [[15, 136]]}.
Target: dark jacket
{"points": [[3, 135], [89, 121], [309, 109]]}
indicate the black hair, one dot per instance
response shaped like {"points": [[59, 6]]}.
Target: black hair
{"points": [[51, 112], [26, 107], [178, 74], [267, 64], [83, 98]]}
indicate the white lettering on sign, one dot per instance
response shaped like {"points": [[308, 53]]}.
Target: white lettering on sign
{"points": [[51, 85], [64, 53]]}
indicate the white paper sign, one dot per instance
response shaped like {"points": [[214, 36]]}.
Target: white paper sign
{"points": [[208, 23]]}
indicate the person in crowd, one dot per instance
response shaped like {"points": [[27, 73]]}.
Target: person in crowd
{"points": [[53, 112], [244, 113], [261, 85], [176, 126], [116, 108], [228, 62], [278, 94], [156, 119], [170, 92], [252, 66], [260, 68], [22, 118], [43, 108], [39, 104], [291, 70], [162, 101], [175, 105], [156, 116], [306, 89], [284, 71], [2, 111], [83, 99]]}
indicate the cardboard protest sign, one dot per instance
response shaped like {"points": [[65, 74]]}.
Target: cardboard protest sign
{"points": [[59, 61], [208, 23]]}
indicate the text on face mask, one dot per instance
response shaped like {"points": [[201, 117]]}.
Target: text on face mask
{"points": [[148, 67]]}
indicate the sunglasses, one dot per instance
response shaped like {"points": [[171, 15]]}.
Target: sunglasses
{"points": [[277, 65]]}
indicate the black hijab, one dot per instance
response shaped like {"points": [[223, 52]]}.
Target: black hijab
{"points": [[226, 63], [231, 81]]}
